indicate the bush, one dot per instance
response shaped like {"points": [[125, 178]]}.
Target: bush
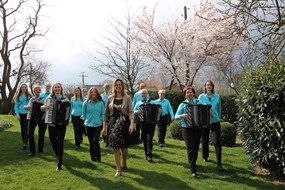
{"points": [[228, 135], [261, 115], [229, 108], [175, 130], [174, 96], [4, 124]]}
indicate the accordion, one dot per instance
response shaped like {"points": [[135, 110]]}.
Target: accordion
{"points": [[150, 113], [58, 113], [199, 115]]}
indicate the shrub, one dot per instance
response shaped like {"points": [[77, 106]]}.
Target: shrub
{"points": [[175, 130], [4, 124], [228, 135], [261, 115], [229, 108], [174, 96]]}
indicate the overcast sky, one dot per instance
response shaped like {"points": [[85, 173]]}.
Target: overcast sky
{"points": [[76, 24]]}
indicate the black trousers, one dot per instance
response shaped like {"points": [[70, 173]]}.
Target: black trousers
{"points": [[56, 136], [192, 138], [147, 137], [24, 128], [77, 128], [162, 128], [41, 135], [94, 145], [138, 126], [216, 132]]}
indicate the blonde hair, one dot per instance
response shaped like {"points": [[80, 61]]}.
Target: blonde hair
{"points": [[61, 92], [114, 93], [37, 87]]}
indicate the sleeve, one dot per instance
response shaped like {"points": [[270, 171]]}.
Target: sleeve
{"points": [[170, 110], [179, 112], [71, 107], [219, 108], [16, 108], [102, 110], [130, 108], [107, 111], [84, 110], [134, 100]]}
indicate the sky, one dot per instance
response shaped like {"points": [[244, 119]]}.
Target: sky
{"points": [[75, 26]]}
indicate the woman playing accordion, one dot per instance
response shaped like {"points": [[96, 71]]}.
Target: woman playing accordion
{"points": [[36, 117], [58, 121], [190, 133]]}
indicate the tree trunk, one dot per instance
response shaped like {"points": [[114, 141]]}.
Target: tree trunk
{"points": [[5, 106]]}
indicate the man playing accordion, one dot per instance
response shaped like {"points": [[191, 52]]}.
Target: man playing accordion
{"points": [[148, 127]]}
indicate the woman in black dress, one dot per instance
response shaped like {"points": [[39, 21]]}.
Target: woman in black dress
{"points": [[119, 117]]}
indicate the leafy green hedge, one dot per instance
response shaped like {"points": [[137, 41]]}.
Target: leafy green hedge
{"points": [[229, 108], [228, 133], [4, 124], [261, 115], [174, 96]]}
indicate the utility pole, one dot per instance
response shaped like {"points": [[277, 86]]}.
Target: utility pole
{"points": [[82, 76], [185, 13]]}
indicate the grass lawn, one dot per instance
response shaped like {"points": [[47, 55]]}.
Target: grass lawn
{"points": [[169, 169]]}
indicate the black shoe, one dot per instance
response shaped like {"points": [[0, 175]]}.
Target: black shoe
{"points": [[149, 159], [24, 146], [205, 159], [58, 168], [124, 168], [220, 168], [161, 145], [31, 154]]}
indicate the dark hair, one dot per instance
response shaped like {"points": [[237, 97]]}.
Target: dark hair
{"points": [[188, 88], [80, 94], [213, 86]]}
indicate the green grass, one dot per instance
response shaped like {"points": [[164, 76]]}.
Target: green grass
{"points": [[168, 170]]}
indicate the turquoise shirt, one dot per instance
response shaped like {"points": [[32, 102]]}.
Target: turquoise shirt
{"points": [[137, 106], [44, 95], [19, 105], [182, 110], [76, 107], [93, 113], [215, 102], [105, 96], [61, 98], [138, 97], [165, 106]]}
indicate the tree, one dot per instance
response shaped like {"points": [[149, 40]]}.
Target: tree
{"points": [[261, 22], [121, 58], [35, 73], [183, 48], [20, 26]]}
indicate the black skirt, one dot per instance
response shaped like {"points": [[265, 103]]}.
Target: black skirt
{"points": [[118, 135]]}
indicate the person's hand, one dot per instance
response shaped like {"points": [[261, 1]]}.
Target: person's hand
{"points": [[45, 107], [104, 132], [184, 116], [27, 107], [131, 129], [172, 119], [18, 118]]}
